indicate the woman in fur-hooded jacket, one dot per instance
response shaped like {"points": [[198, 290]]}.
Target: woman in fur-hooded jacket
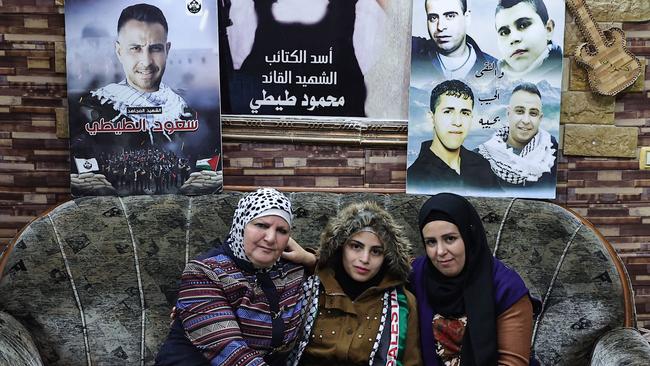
{"points": [[357, 309]]}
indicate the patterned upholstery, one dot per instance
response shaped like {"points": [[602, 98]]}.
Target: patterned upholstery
{"points": [[16, 345], [623, 346], [94, 279]]}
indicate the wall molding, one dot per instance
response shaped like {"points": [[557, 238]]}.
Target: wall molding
{"points": [[337, 130]]}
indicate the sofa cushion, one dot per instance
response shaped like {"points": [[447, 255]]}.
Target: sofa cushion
{"points": [[16, 345]]}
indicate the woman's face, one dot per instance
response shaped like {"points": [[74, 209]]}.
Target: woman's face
{"points": [[363, 255], [445, 247], [265, 239]]}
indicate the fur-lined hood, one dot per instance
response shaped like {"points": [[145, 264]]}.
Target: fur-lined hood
{"points": [[357, 216]]}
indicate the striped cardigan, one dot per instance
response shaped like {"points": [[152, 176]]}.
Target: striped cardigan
{"points": [[226, 313]]}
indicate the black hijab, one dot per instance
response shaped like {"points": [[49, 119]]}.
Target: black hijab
{"points": [[471, 292]]}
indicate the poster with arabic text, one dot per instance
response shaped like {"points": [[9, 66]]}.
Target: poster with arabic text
{"points": [[143, 95], [315, 58], [484, 97]]}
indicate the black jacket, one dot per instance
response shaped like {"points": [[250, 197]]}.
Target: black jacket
{"points": [[429, 173], [425, 64]]}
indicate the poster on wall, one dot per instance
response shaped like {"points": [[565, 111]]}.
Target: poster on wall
{"points": [[335, 58], [143, 97], [484, 97]]}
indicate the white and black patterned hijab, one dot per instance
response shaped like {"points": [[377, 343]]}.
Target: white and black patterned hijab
{"points": [[262, 202]]}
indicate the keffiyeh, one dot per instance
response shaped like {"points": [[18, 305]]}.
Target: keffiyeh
{"points": [[535, 159], [262, 202], [122, 96]]}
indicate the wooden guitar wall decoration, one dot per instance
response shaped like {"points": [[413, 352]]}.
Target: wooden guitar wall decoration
{"points": [[610, 66]]}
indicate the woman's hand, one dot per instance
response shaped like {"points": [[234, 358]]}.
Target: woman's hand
{"points": [[297, 254]]}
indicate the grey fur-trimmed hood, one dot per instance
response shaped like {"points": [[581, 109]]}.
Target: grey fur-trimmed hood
{"points": [[356, 216]]}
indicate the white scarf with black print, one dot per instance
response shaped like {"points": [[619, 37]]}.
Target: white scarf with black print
{"points": [[535, 159], [122, 96], [249, 208]]}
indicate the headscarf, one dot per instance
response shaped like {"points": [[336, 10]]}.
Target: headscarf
{"points": [[471, 292], [262, 202]]}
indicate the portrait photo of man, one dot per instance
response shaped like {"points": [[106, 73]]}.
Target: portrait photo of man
{"points": [[444, 162], [524, 37], [449, 52], [522, 154], [142, 50]]}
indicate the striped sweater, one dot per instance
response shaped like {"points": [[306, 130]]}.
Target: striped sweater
{"points": [[226, 313]]}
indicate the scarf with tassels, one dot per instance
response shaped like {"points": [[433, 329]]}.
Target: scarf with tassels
{"points": [[389, 346], [122, 96]]}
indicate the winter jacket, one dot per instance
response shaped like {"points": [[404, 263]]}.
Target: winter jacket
{"points": [[381, 324]]}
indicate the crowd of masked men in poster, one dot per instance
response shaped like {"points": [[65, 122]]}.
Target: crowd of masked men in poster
{"points": [[145, 171]]}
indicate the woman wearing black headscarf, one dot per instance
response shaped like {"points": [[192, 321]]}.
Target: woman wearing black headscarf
{"points": [[473, 309]]}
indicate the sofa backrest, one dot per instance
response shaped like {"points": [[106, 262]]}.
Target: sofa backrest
{"points": [[94, 279]]}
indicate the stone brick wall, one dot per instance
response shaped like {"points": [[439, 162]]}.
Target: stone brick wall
{"points": [[33, 161], [314, 166], [610, 191], [607, 187]]}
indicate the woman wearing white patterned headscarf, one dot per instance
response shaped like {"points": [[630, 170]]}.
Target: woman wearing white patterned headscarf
{"points": [[241, 304]]}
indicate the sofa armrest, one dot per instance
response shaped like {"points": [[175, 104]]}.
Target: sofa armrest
{"points": [[621, 346], [16, 345]]}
